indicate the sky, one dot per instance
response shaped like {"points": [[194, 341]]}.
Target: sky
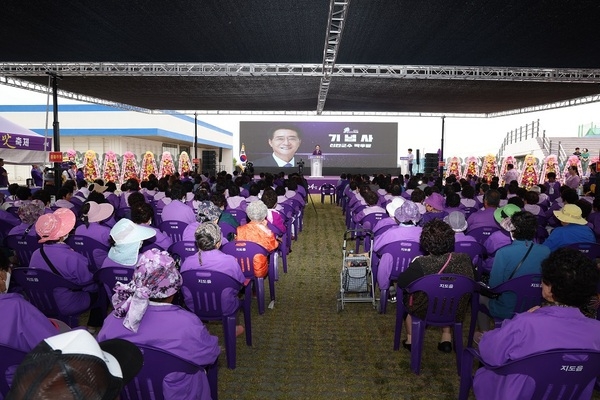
{"points": [[462, 136]]}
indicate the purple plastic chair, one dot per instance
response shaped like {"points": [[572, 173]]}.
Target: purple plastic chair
{"points": [[244, 251], [109, 276], [227, 229], [444, 292], [327, 189], [182, 250], [174, 229], [23, 246], [591, 250], [525, 289], [401, 254], [475, 251], [239, 215], [92, 249], [148, 384], [547, 369], [483, 233], [9, 358], [38, 286], [367, 223], [203, 289]]}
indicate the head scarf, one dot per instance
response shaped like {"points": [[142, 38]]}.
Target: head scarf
{"points": [[155, 277]]}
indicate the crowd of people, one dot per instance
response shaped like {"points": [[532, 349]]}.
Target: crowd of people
{"points": [[529, 231], [127, 225]]}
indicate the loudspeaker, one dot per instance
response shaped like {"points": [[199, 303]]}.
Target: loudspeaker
{"points": [[418, 157], [209, 161], [431, 162]]}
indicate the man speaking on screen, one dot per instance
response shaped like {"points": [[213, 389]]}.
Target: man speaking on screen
{"points": [[284, 141]]}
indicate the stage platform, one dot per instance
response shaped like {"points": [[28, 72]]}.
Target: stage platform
{"points": [[314, 184]]}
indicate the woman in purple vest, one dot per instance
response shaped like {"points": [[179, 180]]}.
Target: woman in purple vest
{"points": [[144, 314], [569, 281], [64, 261]]}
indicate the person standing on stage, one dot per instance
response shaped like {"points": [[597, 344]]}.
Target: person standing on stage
{"points": [[411, 159], [317, 151]]}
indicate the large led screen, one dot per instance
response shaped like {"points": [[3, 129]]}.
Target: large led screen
{"points": [[343, 144]]}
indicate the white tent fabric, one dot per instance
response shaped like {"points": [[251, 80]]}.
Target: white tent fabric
{"points": [[19, 145]]}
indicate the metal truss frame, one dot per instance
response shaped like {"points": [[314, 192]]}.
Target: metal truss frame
{"points": [[338, 9], [338, 70], [11, 74]]}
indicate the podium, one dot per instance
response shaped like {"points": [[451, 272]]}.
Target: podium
{"points": [[316, 166]]}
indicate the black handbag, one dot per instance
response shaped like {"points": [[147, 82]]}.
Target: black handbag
{"points": [[485, 290]]}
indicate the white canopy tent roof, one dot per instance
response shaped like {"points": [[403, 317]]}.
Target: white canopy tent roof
{"points": [[19, 145]]}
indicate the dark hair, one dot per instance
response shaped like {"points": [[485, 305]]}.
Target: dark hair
{"points": [[437, 237], [177, 192], [136, 198], [219, 200], [23, 193], [132, 184], [42, 195], [586, 207], [573, 277], [532, 197], [83, 214], [269, 197], [63, 192], [371, 198], [525, 224], [569, 195], [97, 197], [492, 198], [468, 192], [551, 175], [517, 201], [417, 195], [141, 213], [12, 188], [452, 200]]}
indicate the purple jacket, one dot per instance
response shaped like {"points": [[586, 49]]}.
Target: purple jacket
{"points": [[481, 218], [215, 260], [74, 268], [178, 211], [23, 326], [544, 329], [190, 341]]}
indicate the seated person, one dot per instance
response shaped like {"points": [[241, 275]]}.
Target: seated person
{"points": [[574, 228], [73, 365], [274, 217], [92, 215], [257, 231], [24, 326], [142, 214], [522, 257], [207, 211], [63, 198], [143, 309], [437, 240], [63, 261], [177, 210], [500, 238], [407, 217], [569, 281], [29, 214], [372, 200], [219, 200], [126, 239], [209, 257], [434, 204], [485, 217]]}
